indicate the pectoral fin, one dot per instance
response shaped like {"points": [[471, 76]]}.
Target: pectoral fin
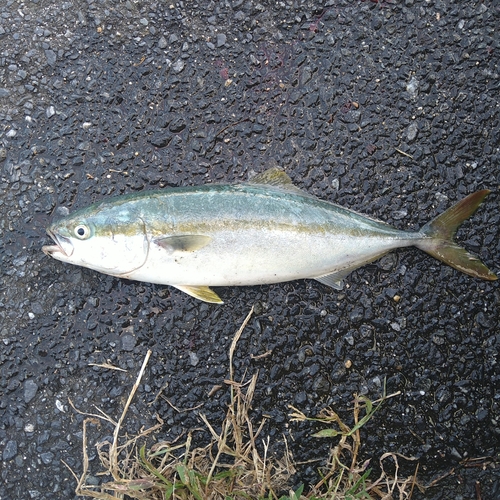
{"points": [[201, 292], [183, 242]]}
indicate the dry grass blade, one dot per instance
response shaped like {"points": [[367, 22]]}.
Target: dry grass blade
{"points": [[235, 342], [113, 453], [392, 482], [108, 366]]}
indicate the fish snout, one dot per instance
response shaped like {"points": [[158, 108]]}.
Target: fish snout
{"points": [[62, 245]]}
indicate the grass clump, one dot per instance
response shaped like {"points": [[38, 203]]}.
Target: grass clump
{"points": [[236, 465]]}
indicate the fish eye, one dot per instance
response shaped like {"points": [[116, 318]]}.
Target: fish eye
{"points": [[82, 232]]}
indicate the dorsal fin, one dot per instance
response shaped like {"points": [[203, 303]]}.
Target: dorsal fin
{"points": [[277, 178], [273, 177]]}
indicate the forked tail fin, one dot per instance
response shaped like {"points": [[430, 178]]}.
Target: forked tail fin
{"points": [[438, 237]]}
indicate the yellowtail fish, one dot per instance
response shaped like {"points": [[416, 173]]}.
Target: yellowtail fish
{"points": [[257, 232]]}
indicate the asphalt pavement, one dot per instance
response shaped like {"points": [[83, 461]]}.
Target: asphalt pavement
{"points": [[388, 108]]}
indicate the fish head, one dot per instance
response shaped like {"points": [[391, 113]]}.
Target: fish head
{"points": [[106, 240]]}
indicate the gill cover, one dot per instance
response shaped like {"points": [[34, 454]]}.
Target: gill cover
{"points": [[129, 247]]}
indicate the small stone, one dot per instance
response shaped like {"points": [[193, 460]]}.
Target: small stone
{"points": [[128, 342], [482, 414], [376, 22], [400, 214], [178, 66], [62, 211], [395, 326], [13, 384], [321, 385], [50, 111], [221, 39], [193, 358], [412, 87], [10, 450], [160, 140], [122, 139], [93, 301], [177, 125], [438, 339], [30, 390], [357, 314], [388, 262], [412, 132], [51, 57], [484, 320], [20, 261], [4, 92], [162, 43], [37, 308], [84, 146], [47, 457], [300, 398], [441, 198], [60, 406], [29, 428]]}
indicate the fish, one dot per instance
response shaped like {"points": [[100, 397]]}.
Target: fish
{"points": [[262, 231]]}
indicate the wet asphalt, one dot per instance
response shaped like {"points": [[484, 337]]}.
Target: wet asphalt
{"points": [[388, 108]]}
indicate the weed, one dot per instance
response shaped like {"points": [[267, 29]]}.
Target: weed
{"points": [[236, 464]]}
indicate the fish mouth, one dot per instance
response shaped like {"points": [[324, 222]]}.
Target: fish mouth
{"points": [[62, 246]]}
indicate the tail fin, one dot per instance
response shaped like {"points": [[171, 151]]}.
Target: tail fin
{"points": [[438, 237]]}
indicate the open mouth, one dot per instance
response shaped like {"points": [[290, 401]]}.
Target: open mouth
{"points": [[62, 245]]}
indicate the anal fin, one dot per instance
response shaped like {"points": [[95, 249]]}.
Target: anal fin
{"points": [[203, 293], [334, 280]]}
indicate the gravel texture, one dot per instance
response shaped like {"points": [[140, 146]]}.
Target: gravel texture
{"points": [[389, 108]]}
